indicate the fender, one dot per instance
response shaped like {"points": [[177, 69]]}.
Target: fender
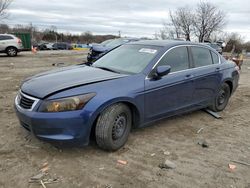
{"points": [[138, 116]]}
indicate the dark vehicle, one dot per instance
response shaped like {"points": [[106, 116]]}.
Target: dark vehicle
{"points": [[45, 46], [131, 86], [62, 46], [214, 46], [98, 50]]}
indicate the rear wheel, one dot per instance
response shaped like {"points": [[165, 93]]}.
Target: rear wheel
{"points": [[221, 98], [11, 51], [113, 127]]}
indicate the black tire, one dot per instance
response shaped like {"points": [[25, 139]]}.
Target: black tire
{"points": [[222, 98], [113, 127], [11, 51]]}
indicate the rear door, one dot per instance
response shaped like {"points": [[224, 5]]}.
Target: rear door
{"points": [[173, 91], [206, 73]]}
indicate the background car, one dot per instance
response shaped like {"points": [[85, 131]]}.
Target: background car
{"points": [[214, 46], [45, 46], [80, 46], [10, 44], [62, 46], [131, 86], [97, 51]]}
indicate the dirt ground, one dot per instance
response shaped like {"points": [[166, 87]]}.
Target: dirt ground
{"points": [[175, 139]]}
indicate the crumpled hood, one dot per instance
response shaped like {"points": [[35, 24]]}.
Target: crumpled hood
{"points": [[44, 84]]}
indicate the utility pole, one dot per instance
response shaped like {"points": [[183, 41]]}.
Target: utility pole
{"points": [[31, 32], [119, 34]]}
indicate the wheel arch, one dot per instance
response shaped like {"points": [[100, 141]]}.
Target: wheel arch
{"points": [[230, 83], [10, 47], [135, 112]]}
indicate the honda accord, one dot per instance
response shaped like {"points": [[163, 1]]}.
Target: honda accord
{"points": [[129, 87]]}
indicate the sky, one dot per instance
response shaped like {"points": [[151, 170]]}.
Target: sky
{"points": [[134, 18]]}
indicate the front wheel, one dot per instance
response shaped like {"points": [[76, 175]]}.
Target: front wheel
{"points": [[113, 127], [222, 98], [11, 51]]}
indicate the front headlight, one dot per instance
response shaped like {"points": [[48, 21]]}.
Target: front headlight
{"points": [[66, 104]]}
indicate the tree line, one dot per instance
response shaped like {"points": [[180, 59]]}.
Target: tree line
{"points": [[205, 22], [52, 35]]}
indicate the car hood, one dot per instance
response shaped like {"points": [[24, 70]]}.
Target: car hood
{"points": [[100, 48], [50, 82]]}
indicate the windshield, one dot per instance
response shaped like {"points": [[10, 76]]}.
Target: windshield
{"points": [[116, 42], [106, 42], [131, 59]]}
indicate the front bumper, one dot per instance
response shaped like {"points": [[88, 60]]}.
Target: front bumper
{"points": [[59, 128]]}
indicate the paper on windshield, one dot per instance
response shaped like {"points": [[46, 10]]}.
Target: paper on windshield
{"points": [[148, 50]]}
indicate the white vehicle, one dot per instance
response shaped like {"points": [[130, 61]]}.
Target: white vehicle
{"points": [[10, 44]]}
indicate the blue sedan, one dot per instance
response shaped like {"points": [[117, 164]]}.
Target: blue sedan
{"points": [[129, 87]]}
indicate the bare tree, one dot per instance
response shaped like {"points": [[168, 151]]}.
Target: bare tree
{"points": [[4, 28], [175, 24], [207, 20], [182, 19], [169, 31], [4, 5]]}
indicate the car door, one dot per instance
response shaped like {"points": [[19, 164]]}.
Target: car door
{"points": [[206, 75], [173, 91]]}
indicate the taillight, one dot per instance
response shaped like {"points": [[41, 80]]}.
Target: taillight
{"points": [[19, 41]]}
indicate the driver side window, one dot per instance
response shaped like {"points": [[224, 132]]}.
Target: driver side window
{"points": [[176, 58]]}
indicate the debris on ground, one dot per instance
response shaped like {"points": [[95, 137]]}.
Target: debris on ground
{"points": [[108, 186], [45, 168], [214, 114], [152, 154], [203, 143], [37, 177], [167, 165], [101, 168], [166, 153], [32, 147], [122, 162], [241, 162], [58, 64], [231, 166], [43, 177], [42, 184], [201, 129]]}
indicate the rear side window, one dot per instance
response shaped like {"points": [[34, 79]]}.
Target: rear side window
{"points": [[5, 37], [177, 58], [201, 56], [215, 58]]}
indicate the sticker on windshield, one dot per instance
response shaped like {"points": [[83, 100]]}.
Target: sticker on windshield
{"points": [[148, 50]]}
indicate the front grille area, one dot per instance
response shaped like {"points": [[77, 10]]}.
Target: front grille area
{"points": [[25, 102]]}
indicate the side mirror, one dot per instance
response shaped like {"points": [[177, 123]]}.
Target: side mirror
{"points": [[161, 71]]}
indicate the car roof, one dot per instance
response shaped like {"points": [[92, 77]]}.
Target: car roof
{"points": [[7, 35], [163, 43]]}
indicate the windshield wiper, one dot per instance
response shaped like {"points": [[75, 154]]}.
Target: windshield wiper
{"points": [[108, 69]]}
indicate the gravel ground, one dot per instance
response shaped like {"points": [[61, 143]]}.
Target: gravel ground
{"points": [[174, 139]]}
